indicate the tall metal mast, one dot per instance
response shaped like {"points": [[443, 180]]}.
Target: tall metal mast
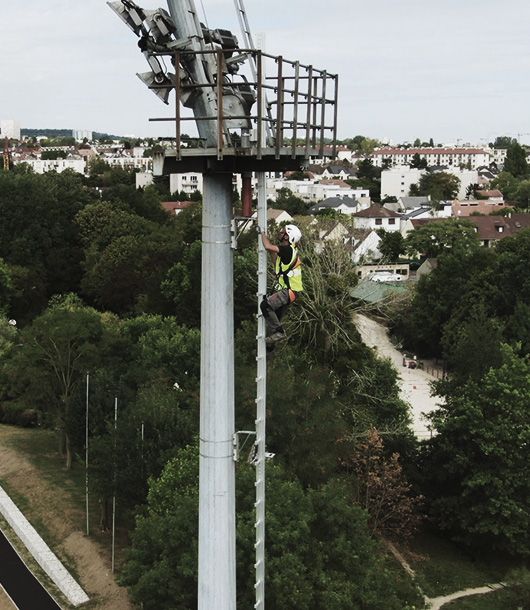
{"points": [[226, 87]]}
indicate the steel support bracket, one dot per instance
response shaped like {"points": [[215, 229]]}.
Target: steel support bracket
{"points": [[238, 445], [239, 224]]}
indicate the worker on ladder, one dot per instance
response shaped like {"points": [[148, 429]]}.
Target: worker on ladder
{"points": [[288, 268]]}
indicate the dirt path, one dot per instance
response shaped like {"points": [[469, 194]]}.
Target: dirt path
{"points": [[5, 602], [414, 383], [54, 508], [438, 602]]}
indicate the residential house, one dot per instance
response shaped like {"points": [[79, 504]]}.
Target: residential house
{"points": [[428, 266], [492, 195], [377, 217], [407, 204], [41, 166], [343, 205], [176, 207], [489, 229], [364, 244], [475, 206], [337, 171], [278, 216], [143, 179]]}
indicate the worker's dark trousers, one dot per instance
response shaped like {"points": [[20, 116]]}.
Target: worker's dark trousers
{"points": [[273, 309]]}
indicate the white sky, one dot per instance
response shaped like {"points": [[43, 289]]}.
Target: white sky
{"points": [[451, 69]]}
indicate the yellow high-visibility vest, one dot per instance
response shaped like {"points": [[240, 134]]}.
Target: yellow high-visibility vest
{"points": [[290, 275]]}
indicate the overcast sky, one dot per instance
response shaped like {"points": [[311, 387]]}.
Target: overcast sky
{"points": [[447, 69]]}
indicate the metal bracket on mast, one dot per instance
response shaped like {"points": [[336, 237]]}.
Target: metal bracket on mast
{"points": [[238, 447], [239, 224]]}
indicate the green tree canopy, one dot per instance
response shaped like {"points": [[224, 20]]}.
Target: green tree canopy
{"points": [[475, 462], [515, 162], [392, 244], [438, 185], [441, 236], [417, 162], [316, 538]]}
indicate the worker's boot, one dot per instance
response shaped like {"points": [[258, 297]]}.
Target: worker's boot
{"points": [[276, 337]]}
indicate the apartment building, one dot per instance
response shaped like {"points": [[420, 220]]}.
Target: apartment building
{"points": [[469, 157]]}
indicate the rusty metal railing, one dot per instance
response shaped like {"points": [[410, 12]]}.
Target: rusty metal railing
{"points": [[294, 112]]}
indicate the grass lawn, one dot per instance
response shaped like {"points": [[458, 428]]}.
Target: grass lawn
{"points": [[40, 447], [442, 567]]}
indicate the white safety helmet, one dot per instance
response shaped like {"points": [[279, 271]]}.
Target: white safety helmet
{"points": [[293, 233]]}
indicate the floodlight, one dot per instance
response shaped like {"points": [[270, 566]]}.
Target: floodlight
{"points": [[160, 24], [130, 13], [160, 84]]}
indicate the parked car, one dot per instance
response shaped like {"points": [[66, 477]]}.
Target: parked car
{"points": [[410, 361], [386, 277]]}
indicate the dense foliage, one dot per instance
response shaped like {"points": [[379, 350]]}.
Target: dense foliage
{"points": [[105, 290]]}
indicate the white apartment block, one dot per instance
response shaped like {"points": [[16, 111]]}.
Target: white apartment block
{"points": [[81, 134], [10, 129], [313, 190], [396, 182], [129, 162], [143, 179], [189, 183], [41, 166], [498, 155], [456, 157]]}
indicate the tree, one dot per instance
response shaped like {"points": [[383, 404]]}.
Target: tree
{"points": [[417, 162], [6, 287], [392, 244], [503, 142], [515, 162], [476, 459], [38, 232], [316, 538], [507, 184], [462, 281], [369, 177], [289, 202], [438, 185], [522, 195], [55, 353], [441, 236], [382, 489], [323, 322], [471, 342]]}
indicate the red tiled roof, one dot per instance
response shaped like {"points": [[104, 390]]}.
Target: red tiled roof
{"points": [[171, 206], [482, 206], [376, 211], [491, 193], [489, 227]]}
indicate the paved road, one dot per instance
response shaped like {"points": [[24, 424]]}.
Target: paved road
{"points": [[19, 583], [414, 383]]}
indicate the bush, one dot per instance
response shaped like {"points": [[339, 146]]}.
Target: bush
{"points": [[18, 415]]}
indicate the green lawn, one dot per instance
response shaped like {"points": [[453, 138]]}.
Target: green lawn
{"points": [[40, 447]]}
